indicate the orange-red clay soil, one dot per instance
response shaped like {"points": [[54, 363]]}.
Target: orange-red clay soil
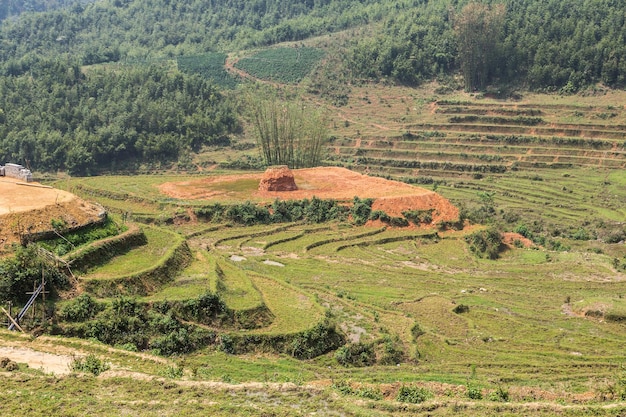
{"points": [[392, 197]]}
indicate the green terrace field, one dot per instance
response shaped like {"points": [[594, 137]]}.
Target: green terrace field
{"points": [[284, 65], [377, 320], [210, 66], [470, 136]]}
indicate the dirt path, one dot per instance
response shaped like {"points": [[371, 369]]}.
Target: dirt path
{"points": [[229, 65], [49, 363]]}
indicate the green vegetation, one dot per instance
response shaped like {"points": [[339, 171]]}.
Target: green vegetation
{"points": [[209, 66], [285, 65], [65, 242], [288, 133], [89, 364], [108, 118], [24, 271], [277, 306]]}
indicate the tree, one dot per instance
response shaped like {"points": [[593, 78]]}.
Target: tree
{"points": [[289, 133], [478, 29]]}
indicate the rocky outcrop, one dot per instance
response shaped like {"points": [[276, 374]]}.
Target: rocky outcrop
{"points": [[278, 178]]}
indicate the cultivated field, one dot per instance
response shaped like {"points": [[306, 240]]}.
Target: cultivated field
{"points": [[426, 326]]}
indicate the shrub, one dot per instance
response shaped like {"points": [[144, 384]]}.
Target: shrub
{"points": [[356, 354], [380, 215], [500, 394], [25, 268], [418, 217], [581, 234], [89, 364], [414, 395], [416, 331], [392, 352], [474, 392], [345, 388], [486, 243], [461, 308], [134, 326], [173, 372], [361, 210], [227, 345], [82, 308]]}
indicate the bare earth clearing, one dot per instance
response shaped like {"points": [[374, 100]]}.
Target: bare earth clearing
{"points": [[30, 209], [49, 363], [322, 182]]}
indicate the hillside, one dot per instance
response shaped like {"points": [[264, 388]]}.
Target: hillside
{"points": [[460, 250], [79, 90]]}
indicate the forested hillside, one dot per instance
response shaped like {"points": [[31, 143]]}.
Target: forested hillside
{"points": [[59, 118], [13, 8], [543, 45], [59, 112]]}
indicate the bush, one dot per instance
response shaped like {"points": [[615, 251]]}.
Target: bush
{"points": [[500, 395], [356, 354], [414, 395], [361, 210], [345, 388], [418, 217], [380, 215], [474, 392], [135, 326], [486, 243], [392, 352], [82, 308], [19, 273], [89, 364], [461, 308], [416, 331]]}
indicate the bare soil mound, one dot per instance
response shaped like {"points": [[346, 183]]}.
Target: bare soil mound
{"points": [[278, 178], [29, 209], [341, 184], [511, 238]]}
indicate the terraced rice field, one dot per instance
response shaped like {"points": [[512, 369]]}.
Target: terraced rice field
{"points": [[544, 322]]}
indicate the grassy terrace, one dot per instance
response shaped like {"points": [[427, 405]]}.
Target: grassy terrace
{"points": [[544, 323], [137, 259]]}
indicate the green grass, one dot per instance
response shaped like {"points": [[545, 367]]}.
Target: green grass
{"points": [[294, 311], [137, 259], [198, 278], [236, 287]]}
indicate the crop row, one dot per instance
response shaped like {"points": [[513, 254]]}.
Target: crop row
{"points": [[209, 66], [287, 65]]}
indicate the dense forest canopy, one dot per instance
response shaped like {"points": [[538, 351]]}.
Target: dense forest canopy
{"points": [[56, 117], [13, 8], [57, 113], [544, 45]]}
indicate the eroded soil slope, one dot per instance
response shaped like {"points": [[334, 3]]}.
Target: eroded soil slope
{"points": [[323, 182]]}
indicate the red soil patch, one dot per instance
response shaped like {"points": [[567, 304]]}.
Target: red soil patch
{"points": [[323, 182], [26, 209], [509, 239], [279, 178]]}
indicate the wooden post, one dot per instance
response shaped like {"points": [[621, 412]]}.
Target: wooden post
{"points": [[12, 321]]}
